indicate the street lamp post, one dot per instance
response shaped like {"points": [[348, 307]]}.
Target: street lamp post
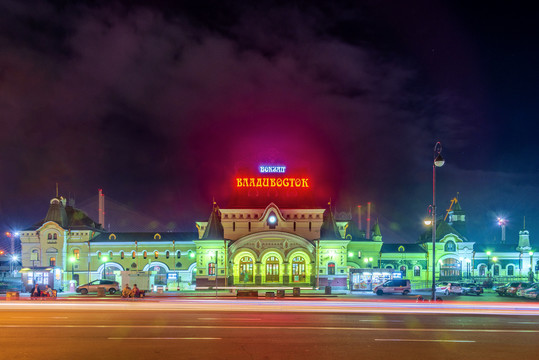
{"points": [[105, 260], [531, 266], [438, 162], [488, 263], [72, 260], [502, 222]]}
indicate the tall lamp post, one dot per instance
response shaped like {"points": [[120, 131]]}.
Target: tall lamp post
{"points": [[438, 162], [502, 222], [488, 263], [531, 266], [105, 259]]}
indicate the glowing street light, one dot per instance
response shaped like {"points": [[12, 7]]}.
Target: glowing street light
{"points": [[502, 222]]}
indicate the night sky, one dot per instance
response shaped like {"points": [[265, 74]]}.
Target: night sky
{"points": [[160, 105]]}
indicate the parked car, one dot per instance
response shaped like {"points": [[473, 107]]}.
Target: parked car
{"points": [[449, 288], [472, 288], [110, 286], [396, 286], [522, 290], [532, 293], [501, 290], [515, 286]]}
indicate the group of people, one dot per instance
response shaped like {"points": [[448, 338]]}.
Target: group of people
{"points": [[135, 292], [38, 293]]}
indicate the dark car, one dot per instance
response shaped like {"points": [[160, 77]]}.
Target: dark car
{"points": [[501, 290], [472, 288]]}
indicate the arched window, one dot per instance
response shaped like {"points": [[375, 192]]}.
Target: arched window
{"points": [[211, 269], [55, 237], [145, 254], [52, 261], [389, 267], [133, 254], [122, 255], [156, 254], [49, 237], [496, 270], [110, 255], [510, 270], [76, 254], [403, 271], [167, 254], [178, 254], [482, 269], [35, 255], [417, 271], [450, 246], [331, 268], [99, 255]]}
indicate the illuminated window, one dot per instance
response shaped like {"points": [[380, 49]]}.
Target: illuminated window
{"points": [[156, 254], [52, 261], [331, 268], [99, 255], [35, 255], [133, 254], [55, 237], [211, 269], [482, 270], [122, 255], [76, 254], [496, 270], [145, 254], [359, 254], [510, 270], [417, 271], [167, 254], [450, 246], [403, 270]]}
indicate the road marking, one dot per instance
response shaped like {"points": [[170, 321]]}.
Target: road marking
{"points": [[426, 340], [163, 338], [44, 317], [266, 328], [523, 322], [233, 319], [380, 320]]}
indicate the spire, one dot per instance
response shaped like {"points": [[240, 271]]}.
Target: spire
{"points": [[376, 233], [57, 212], [214, 230], [329, 230]]}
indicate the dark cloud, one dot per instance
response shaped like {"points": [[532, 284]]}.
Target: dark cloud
{"points": [[159, 104]]}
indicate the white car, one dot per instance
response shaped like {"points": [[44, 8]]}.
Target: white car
{"points": [[110, 286], [449, 288], [396, 286]]}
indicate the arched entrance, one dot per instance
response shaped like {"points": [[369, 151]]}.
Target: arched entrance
{"points": [[160, 275], [272, 269], [450, 269], [298, 269], [246, 269]]}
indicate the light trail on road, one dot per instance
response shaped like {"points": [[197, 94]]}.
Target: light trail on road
{"points": [[528, 309]]}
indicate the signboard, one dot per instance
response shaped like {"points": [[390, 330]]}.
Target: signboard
{"points": [[271, 182]]}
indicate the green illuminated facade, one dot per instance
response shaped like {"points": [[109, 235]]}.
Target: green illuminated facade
{"points": [[260, 247]]}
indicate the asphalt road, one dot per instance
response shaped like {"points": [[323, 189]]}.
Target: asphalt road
{"points": [[258, 330]]}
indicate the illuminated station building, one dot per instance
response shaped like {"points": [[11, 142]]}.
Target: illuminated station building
{"points": [[258, 246]]}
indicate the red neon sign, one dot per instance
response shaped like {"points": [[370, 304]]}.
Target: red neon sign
{"points": [[270, 182]]}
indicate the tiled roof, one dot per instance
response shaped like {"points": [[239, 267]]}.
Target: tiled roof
{"points": [[329, 230]]}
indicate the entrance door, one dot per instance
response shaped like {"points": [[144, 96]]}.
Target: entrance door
{"points": [[246, 269], [272, 269], [298, 269]]}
